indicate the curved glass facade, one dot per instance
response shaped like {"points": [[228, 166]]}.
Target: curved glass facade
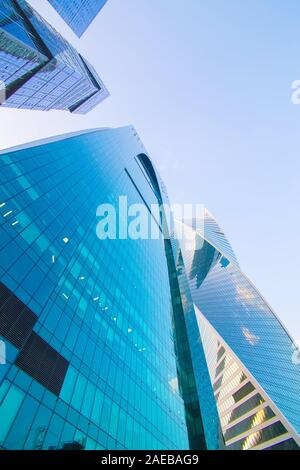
{"points": [[87, 324], [128, 343], [242, 323]]}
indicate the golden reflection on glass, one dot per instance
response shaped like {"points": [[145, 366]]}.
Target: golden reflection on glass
{"points": [[245, 294], [253, 438]]}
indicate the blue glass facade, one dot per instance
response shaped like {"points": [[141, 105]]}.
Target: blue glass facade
{"points": [[203, 386], [244, 341], [78, 14], [39, 68], [92, 360]]}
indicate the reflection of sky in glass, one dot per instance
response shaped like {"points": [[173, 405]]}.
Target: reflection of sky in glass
{"points": [[252, 339]]}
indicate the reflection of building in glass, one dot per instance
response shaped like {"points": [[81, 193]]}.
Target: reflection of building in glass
{"points": [[39, 68], [96, 346], [248, 351], [78, 15]]}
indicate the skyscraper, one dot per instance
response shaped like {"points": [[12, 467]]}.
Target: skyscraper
{"points": [[92, 330], [39, 68], [249, 353], [78, 15]]}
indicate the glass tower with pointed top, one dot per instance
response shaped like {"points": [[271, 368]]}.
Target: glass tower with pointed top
{"points": [[78, 14], [39, 68], [249, 353], [94, 352]]}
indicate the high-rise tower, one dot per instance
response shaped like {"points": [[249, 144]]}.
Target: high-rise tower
{"points": [[94, 355], [78, 15], [249, 353], [39, 68]]}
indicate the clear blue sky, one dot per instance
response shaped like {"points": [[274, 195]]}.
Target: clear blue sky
{"points": [[207, 84]]}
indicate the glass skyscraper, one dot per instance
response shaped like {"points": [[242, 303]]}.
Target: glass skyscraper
{"points": [[39, 68], [147, 343], [78, 14], [94, 348], [249, 353]]}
